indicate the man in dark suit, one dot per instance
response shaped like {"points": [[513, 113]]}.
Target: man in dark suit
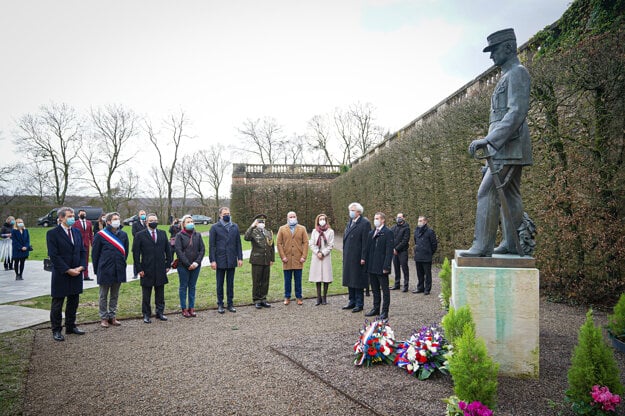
{"points": [[401, 233], [68, 256], [379, 257], [137, 226], [151, 253], [225, 254], [354, 251], [86, 232]]}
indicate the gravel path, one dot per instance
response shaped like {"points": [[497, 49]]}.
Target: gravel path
{"points": [[284, 360]]}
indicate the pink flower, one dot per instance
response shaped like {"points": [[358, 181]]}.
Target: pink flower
{"points": [[601, 395], [474, 409]]}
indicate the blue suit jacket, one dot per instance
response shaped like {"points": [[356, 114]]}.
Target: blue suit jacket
{"points": [[224, 247], [64, 256]]}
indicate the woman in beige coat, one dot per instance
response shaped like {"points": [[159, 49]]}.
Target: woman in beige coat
{"points": [[321, 243]]}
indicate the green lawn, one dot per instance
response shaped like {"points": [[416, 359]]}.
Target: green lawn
{"points": [[206, 296], [40, 252]]}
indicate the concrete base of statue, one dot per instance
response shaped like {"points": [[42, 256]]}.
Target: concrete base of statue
{"points": [[503, 293]]}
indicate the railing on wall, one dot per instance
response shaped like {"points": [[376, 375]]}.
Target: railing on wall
{"points": [[259, 170]]}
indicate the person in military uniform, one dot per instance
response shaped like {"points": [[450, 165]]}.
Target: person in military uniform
{"points": [[262, 258], [508, 144]]}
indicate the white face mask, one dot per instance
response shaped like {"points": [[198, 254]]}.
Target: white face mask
{"points": [[376, 223], [260, 225], [292, 221], [115, 223], [322, 222]]}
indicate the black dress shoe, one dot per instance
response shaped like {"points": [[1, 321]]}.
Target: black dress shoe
{"points": [[161, 317], [357, 309], [258, 305], [88, 279], [74, 331], [57, 336], [349, 306], [373, 312], [231, 308], [426, 293], [221, 309], [393, 288], [383, 315], [265, 305], [405, 289], [146, 319], [417, 291]]}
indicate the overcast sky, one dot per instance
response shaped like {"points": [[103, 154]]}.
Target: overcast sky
{"points": [[223, 62]]}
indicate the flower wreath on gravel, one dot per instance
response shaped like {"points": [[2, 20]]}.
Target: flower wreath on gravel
{"points": [[424, 353], [376, 344]]}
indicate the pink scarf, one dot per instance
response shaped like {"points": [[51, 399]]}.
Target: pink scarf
{"points": [[321, 230]]}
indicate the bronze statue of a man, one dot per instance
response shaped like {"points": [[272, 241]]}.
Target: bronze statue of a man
{"points": [[509, 148]]}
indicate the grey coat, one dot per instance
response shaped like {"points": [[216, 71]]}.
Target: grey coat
{"points": [[354, 250]]}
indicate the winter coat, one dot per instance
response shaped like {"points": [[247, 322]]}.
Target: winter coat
{"points": [[321, 269], [6, 230], [292, 246], [19, 240], [109, 263], [379, 251], [224, 245], [263, 251], [354, 250], [138, 226], [401, 235], [189, 248], [65, 255], [152, 258], [425, 244]]}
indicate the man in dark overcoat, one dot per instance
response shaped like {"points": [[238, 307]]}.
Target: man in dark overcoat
{"points": [[425, 245], [401, 233], [355, 277], [262, 257], [225, 254], [151, 253], [69, 260], [109, 255], [378, 261]]}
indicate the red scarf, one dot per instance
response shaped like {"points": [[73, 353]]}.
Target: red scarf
{"points": [[321, 230]]}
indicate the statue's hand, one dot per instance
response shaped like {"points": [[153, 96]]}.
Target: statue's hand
{"points": [[477, 145]]}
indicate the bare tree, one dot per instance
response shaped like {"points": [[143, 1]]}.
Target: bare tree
{"points": [[264, 137], [319, 136], [343, 124], [52, 138], [106, 153], [175, 125], [215, 165], [160, 185], [185, 172], [8, 192], [293, 150], [367, 135]]}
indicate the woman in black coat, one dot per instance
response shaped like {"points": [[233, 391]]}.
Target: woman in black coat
{"points": [[21, 247], [108, 256], [190, 251]]}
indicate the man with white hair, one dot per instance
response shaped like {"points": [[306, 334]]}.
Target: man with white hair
{"points": [[355, 277]]}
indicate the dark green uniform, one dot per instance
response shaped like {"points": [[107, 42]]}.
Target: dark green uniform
{"points": [[262, 257]]}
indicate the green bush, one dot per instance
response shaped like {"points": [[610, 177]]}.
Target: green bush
{"points": [[473, 371], [455, 322], [592, 364], [616, 321], [445, 276]]}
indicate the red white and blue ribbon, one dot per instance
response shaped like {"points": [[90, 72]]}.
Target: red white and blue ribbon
{"points": [[112, 238]]}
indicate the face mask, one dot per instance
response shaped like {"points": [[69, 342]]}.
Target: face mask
{"points": [[352, 214], [143, 217], [190, 226], [400, 220], [376, 223], [153, 225], [322, 222], [83, 216], [70, 221], [115, 223], [12, 222], [420, 224], [292, 221], [260, 225], [20, 224], [226, 218]]}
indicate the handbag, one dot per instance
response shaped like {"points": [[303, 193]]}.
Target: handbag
{"points": [[47, 265]]}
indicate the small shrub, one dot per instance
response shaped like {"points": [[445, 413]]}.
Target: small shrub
{"points": [[445, 276], [455, 321], [616, 321], [473, 370], [592, 364]]}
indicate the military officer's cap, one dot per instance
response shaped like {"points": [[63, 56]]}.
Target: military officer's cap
{"points": [[260, 217], [499, 37]]}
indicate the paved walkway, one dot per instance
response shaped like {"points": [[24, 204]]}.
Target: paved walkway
{"points": [[37, 283]]}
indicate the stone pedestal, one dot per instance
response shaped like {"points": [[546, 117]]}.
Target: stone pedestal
{"points": [[503, 294]]}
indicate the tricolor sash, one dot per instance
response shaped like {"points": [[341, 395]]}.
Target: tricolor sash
{"points": [[112, 239]]}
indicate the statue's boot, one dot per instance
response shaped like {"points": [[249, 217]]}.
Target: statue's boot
{"points": [[473, 252]]}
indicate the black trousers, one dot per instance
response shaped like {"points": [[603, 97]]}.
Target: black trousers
{"points": [[380, 281], [260, 282], [424, 274], [400, 263], [159, 299], [18, 266], [56, 313]]}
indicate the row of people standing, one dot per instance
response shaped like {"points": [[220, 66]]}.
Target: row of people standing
{"points": [[15, 245]]}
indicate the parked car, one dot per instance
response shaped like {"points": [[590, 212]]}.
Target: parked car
{"points": [[129, 221], [202, 219], [49, 220]]}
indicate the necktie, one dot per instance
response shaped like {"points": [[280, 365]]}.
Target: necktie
{"points": [[69, 234], [154, 235]]}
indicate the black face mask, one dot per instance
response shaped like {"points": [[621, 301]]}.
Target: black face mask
{"points": [[83, 216], [153, 225]]}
